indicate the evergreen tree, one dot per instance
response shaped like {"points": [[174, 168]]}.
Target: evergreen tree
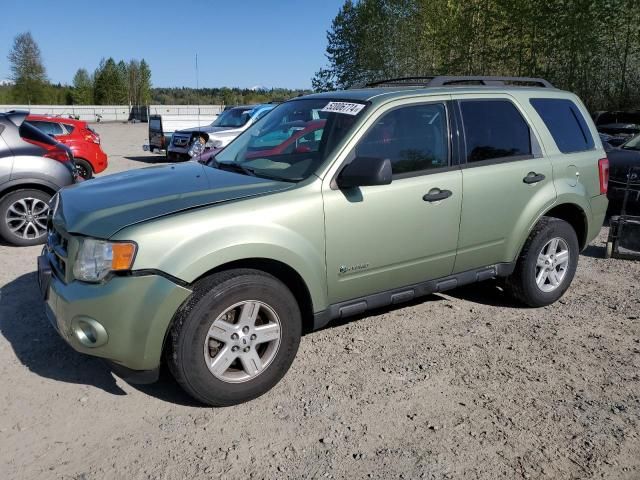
{"points": [[27, 70], [82, 88], [144, 84]]}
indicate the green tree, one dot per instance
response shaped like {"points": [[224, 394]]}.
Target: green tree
{"points": [[591, 47], [144, 84], [82, 88], [110, 87], [27, 70]]}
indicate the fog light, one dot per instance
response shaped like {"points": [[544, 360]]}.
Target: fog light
{"points": [[89, 332]]}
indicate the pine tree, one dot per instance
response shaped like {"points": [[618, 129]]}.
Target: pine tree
{"points": [[82, 88], [27, 70]]}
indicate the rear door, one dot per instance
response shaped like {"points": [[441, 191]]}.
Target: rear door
{"points": [[507, 180]]}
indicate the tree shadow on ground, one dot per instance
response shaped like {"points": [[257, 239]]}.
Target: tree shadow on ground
{"points": [[39, 347]]}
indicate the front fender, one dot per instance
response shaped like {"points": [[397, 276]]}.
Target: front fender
{"points": [[273, 227]]}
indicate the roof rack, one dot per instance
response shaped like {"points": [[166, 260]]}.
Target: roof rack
{"points": [[452, 81]]}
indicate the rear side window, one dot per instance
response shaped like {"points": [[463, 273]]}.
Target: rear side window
{"points": [[29, 132], [50, 128], [494, 129], [566, 124]]}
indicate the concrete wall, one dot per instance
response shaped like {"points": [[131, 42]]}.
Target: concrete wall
{"points": [[111, 113]]}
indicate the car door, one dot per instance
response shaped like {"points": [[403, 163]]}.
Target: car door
{"points": [[507, 180], [383, 237]]}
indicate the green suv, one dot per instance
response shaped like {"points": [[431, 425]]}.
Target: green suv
{"points": [[330, 205]]}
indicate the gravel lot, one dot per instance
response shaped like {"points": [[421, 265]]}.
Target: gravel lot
{"points": [[465, 385]]}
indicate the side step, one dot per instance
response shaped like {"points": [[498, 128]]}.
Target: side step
{"points": [[405, 294]]}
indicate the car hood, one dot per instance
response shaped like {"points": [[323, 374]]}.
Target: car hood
{"points": [[620, 160], [101, 207], [206, 129]]}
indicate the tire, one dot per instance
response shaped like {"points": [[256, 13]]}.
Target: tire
{"points": [[192, 349], [522, 284], [608, 250], [84, 168], [18, 203]]}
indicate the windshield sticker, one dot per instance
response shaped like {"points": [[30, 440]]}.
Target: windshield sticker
{"points": [[343, 107]]}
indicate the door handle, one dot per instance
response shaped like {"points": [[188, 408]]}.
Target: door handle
{"points": [[533, 177], [435, 194]]}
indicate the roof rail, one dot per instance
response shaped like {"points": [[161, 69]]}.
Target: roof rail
{"points": [[452, 81]]}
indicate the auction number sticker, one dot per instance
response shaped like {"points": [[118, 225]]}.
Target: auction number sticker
{"points": [[343, 107]]}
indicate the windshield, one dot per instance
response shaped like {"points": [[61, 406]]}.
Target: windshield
{"points": [[236, 117], [292, 141], [633, 144]]}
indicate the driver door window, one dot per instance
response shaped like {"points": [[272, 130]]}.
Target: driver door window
{"points": [[414, 138]]}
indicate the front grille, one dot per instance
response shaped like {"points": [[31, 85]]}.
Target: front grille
{"points": [[180, 141], [57, 247]]}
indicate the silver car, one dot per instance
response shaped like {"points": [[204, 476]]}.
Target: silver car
{"points": [[33, 167]]}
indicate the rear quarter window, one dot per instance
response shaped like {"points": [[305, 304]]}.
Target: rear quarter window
{"points": [[565, 123]]}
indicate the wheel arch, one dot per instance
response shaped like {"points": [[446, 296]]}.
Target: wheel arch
{"points": [[575, 216], [283, 272], [27, 184]]}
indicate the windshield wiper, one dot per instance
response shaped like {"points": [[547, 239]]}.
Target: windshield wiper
{"points": [[234, 167]]}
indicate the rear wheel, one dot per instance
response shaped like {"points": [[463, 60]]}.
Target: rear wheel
{"points": [[547, 263], [84, 168], [23, 217], [235, 338]]}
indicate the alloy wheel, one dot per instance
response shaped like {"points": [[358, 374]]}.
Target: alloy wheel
{"points": [[552, 264], [27, 218], [242, 341]]}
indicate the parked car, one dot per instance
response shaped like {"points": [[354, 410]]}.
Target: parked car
{"points": [[162, 127], [621, 160], [622, 131], [33, 166], [612, 141], [83, 141], [226, 127], [298, 136], [219, 269]]}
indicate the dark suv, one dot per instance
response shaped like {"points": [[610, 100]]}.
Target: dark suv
{"points": [[33, 166]]}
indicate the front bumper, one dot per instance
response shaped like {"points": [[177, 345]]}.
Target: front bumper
{"points": [[135, 313]]}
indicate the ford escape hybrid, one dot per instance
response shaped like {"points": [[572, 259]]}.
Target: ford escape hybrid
{"points": [[409, 187]]}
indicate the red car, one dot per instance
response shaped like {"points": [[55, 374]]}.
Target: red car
{"points": [[293, 137], [79, 137]]}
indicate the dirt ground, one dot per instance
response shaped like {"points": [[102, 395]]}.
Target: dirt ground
{"points": [[465, 385]]}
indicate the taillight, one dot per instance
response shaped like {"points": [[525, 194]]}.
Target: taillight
{"points": [[57, 154], [603, 171], [92, 137]]}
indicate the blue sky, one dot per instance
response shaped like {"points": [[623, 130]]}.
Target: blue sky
{"points": [[272, 43]]}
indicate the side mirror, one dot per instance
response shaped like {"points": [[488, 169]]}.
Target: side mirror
{"points": [[364, 172]]}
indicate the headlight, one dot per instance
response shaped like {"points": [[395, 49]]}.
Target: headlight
{"points": [[97, 258]]}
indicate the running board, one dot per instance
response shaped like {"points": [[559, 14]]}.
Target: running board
{"points": [[408, 293]]}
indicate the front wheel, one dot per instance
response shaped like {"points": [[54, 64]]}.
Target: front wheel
{"points": [[546, 265], [235, 338]]}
